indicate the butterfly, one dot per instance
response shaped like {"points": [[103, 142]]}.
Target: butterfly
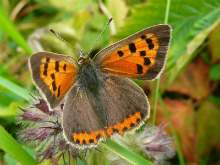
{"points": [[99, 99]]}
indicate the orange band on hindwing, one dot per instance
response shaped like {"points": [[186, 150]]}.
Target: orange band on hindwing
{"points": [[131, 122], [86, 138], [128, 123]]}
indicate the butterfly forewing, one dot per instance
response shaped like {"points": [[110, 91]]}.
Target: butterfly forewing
{"points": [[54, 75], [141, 55]]}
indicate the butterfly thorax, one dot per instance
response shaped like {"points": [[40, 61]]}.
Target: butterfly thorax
{"points": [[89, 76]]}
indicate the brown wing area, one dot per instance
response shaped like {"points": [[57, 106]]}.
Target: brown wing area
{"points": [[140, 56], [125, 103], [53, 74], [81, 125]]}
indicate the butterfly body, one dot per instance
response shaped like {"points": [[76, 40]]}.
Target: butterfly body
{"points": [[91, 81], [99, 99]]}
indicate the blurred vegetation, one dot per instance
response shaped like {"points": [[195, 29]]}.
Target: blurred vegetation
{"points": [[190, 84]]}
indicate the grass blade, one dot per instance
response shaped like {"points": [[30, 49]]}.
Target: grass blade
{"points": [[12, 147], [125, 153], [14, 88], [8, 27]]}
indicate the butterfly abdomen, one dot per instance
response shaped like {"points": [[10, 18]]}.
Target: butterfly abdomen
{"points": [[92, 84]]}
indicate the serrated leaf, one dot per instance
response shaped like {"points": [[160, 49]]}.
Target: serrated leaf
{"points": [[184, 59]]}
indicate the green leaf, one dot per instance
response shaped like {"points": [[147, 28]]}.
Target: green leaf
{"points": [[12, 147], [14, 88], [8, 27], [214, 73], [174, 67], [125, 153]]}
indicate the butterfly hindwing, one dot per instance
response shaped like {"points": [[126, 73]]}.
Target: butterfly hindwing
{"points": [[124, 104], [141, 55], [81, 125], [53, 74]]}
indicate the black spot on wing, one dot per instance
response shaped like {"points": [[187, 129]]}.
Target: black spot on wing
{"points": [[143, 36], [138, 120], [132, 47], [52, 76], [57, 66], [91, 141], [98, 136], [54, 86], [132, 125], [45, 69], [124, 129], [115, 130], [47, 59], [58, 94], [147, 61], [77, 141], [139, 69], [64, 67], [120, 53], [150, 44], [149, 41], [84, 142], [142, 53]]}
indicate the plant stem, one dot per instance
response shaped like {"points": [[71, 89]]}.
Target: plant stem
{"points": [[158, 81]]}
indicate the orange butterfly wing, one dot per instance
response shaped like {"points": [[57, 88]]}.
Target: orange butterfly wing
{"points": [[141, 55], [53, 74]]}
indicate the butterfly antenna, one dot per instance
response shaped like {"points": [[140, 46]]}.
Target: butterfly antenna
{"points": [[109, 21], [65, 41]]}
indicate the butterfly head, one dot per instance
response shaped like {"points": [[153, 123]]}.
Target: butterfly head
{"points": [[83, 58]]}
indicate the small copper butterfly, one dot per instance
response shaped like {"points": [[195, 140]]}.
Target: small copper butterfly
{"points": [[99, 99]]}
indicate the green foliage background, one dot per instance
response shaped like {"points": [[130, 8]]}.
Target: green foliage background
{"points": [[189, 86]]}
